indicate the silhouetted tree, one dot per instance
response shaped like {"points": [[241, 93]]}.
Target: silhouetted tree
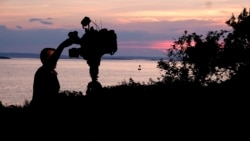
{"points": [[237, 43], [193, 58], [237, 48]]}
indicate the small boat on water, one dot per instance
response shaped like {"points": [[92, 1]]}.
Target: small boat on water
{"points": [[139, 68]]}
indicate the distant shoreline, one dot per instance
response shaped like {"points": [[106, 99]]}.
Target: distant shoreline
{"points": [[105, 57], [3, 57]]}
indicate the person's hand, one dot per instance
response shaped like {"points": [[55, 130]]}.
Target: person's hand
{"points": [[66, 43], [74, 37]]}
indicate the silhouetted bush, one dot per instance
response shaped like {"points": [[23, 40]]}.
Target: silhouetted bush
{"points": [[211, 59]]}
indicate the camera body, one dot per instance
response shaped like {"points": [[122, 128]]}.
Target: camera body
{"points": [[74, 52], [94, 42]]}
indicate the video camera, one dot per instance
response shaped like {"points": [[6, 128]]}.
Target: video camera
{"points": [[93, 42]]}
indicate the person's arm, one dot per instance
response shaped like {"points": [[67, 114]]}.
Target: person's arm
{"points": [[56, 55]]}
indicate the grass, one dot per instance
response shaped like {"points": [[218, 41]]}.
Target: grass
{"points": [[133, 111]]}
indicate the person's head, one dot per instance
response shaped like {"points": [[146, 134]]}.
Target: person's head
{"points": [[46, 54]]}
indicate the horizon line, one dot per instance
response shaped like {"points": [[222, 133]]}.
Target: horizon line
{"points": [[36, 55]]}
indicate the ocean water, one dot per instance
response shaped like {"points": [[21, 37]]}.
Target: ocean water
{"points": [[17, 75]]}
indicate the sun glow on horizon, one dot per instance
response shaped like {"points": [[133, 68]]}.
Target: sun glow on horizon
{"points": [[159, 45]]}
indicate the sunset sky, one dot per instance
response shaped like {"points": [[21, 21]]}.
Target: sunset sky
{"points": [[143, 27]]}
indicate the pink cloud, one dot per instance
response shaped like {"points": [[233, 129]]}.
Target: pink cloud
{"points": [[161, 45]]}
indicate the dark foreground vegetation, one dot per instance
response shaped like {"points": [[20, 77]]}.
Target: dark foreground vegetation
{"points": [[192, 100], [134, 111]]}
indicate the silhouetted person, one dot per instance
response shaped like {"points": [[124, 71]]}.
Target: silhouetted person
{"points": [[46, 85]]}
